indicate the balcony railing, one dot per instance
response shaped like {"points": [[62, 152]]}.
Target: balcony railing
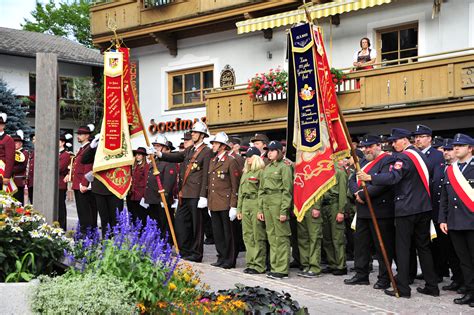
{"points": [[157, 3]]}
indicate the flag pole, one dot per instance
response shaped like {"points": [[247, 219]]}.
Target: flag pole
{"points": [[369, 205]]}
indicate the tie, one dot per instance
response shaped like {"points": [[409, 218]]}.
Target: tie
{"points": [[461, 165]]}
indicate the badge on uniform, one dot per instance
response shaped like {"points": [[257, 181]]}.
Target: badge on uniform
{"points": [[398, 165], [253, 180], [195, 167], [220, 174]]}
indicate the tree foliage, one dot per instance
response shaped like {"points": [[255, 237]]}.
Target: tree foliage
{"points": [[67, 19], [16, 115]]}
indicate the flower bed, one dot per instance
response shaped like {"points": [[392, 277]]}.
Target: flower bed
{"points": [[28, 245], [263, 84]]}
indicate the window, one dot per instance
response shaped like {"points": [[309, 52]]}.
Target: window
{"points": [[66, 87], [32, 81], [189, 87], [398, 43]]}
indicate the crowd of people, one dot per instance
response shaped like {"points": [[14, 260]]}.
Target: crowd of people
{"points": [[420, 186]]}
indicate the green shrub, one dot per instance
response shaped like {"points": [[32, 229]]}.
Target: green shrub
{"points": [[82, 294]]}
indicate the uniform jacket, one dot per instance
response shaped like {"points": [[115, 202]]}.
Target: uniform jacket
{"points": [[168, 176], [436, 166], [381, 196], [239, 159], [64, 161], [196, 183], [31, 170], [7, 153], [224, 177], [411, 196], [139, 179], [276, 179], [79, 168], [19, 170], [337, 194], [248, 191], [452, 211], [97, 187]]}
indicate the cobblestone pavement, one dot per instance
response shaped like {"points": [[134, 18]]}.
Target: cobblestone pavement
{"points": [[327, 294]]}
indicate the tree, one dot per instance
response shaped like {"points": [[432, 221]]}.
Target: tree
{"points": [[68, 19], [16, 115]]}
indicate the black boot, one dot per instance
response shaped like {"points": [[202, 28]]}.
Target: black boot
{"points": [[451, 287], [357, 280], [466, 299]]}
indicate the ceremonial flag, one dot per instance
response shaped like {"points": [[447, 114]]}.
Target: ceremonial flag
{"points": [[10, 188], [114, 158], [318, 135]]}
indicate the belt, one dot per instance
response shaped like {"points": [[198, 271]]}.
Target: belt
{"points": [[250, 196], [272, 192]]}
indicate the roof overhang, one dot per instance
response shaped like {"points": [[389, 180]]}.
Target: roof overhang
{"points": [[295, 16]]}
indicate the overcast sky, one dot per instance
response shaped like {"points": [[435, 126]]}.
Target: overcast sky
{"points": [[13, 12]]}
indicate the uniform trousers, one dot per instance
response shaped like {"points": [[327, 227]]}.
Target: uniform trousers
{"points": [[30, 194], [158, 213], [364, 238], [463, 242], [333, 237], [414, 227], [222, 229], [207, 225], [86, 210], [20, 195], [137, 211], [310, 236], [62, 212], [295, 251], [189, 228], [108, 205], [254, 235]]}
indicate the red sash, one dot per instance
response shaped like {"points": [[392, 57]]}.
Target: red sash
{"points": [[367, 167], [420, 168], [460, 185]]}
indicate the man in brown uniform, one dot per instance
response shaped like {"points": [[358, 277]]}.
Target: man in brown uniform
{"points": [[7, 151], [193, 193], [224, 178], [19, 168], [260, 141]]}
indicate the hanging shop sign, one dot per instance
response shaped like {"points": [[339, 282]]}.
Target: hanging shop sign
{"points": [[172, 126], [227, 78]]}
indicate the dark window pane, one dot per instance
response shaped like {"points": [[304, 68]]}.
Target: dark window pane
{"points": [[193, 97], [32, 84], [192, 81], [208, 80], [390, 41], [408, 38], [408, 53], [177, 84], [177, 99], [390, 56]]}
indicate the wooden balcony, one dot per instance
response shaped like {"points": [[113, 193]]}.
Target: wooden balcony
{"points": [[435, 84]]}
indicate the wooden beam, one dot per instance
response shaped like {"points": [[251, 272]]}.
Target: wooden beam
{"points": [[167, 39]]}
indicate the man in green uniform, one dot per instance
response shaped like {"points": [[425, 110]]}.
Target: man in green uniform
{"points": [[332, 206]]}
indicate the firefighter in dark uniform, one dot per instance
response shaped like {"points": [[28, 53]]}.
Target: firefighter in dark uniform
{"points": [[139, 180], [19, 168], [64, 161], [168, 176], [223, 185], [410, 179], [423, 141], [85, 201], [375, 162], [193, 193], [7, 152], [456, 214]]}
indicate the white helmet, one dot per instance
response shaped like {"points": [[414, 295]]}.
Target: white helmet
{"points": [[201, 127], [221, 137], [160, 139]]}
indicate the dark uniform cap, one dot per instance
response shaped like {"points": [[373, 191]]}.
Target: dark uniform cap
{"points": [[252, 151], [462, 139], [399, 133], [85, 129], [368, 140], [187, 136], [235, 140], [437, 142], [447, 144], [274, 145], [422, 130], [65, 137], [170, 146], [181, 145], [140, 150], [259, 137]]}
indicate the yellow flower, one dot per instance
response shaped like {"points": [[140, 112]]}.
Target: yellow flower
{"points": [[172, 286], [186, 277], [195, 282], [3, 216], [162, 304], [141, 308]]}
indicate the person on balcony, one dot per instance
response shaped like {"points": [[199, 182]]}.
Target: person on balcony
{"points": [[365, 57]]}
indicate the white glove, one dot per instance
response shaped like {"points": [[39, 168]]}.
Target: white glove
{"points": [[144, 204], [202, 203], [150, 150], [162, 205], [209, 212], [232, 214], [95, 142], [89, 176]]}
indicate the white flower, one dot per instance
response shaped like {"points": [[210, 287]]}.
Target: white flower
{"points": [[35, 234], [44, 227], [57, 231], [17, 229]]}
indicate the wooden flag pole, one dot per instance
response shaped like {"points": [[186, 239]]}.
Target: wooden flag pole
{"points": [[370, 206]]}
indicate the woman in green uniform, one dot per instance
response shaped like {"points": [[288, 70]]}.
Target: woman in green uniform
{"points": [[253, 230], [274, 200]]}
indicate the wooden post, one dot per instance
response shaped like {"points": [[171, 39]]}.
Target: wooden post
{"points": [[47, 138]]}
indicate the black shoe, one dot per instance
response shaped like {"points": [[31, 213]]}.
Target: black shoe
{"points": [[411, 281], [247, 270], [339, 272], [352, 269], [419, 276], [357, 280], [462, 290], [392, 293], [440, 279], [209, 241], [277, 276], [428, 291], [192, 258], [218, 264], [466, 299], [451, 287], [295, 264], [381, 285], [471, 304], [309, 274], [327, 270], [227, 266], [252, 271]]}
